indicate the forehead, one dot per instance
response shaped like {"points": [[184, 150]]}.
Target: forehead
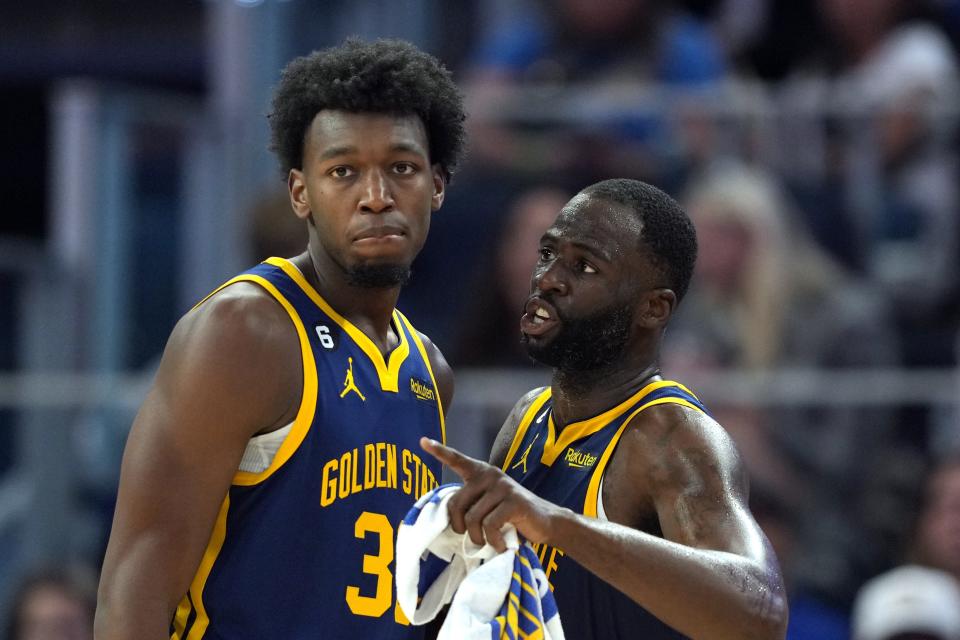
{"points": [[333, 131], [610, 225]]}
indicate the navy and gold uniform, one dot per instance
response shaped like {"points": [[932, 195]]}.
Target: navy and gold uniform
{"points": [[305, 547], [567, 469]]}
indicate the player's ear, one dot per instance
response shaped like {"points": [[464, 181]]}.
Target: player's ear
{"points": [[656, 308], [297, 187], [439, 187]]}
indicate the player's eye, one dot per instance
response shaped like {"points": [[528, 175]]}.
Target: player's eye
{"points": [[404, 168], [546, 254], [341, 172], [586, 267]]}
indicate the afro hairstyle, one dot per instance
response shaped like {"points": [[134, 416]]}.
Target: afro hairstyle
{"points": [[385, 76]]}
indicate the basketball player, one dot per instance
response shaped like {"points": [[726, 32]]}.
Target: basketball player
{"points": [[633, 496], [278, 449]]}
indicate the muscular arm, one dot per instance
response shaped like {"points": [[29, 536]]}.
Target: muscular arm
{"points": [[712, 576], [230, 370]]}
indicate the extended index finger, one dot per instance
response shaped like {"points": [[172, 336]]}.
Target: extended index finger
{"points": [[463, 465]]}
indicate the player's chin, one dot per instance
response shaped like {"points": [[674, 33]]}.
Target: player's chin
{"points": [[538, 348], [535, 343], [379, 274]]}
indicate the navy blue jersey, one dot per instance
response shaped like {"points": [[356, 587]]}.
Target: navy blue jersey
{"points": [[305, 548], [566, 468]]}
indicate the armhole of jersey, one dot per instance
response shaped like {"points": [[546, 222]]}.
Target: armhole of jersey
{"points": [[262, 449], [601, 512], [525, 423], [426, 361], [592, 500], [308, 401]]}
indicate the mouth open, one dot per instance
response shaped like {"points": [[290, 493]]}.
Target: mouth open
{"points": [[539, 317]]}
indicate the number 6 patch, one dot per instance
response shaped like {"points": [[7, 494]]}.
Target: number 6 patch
{"points": [[328, 338]]}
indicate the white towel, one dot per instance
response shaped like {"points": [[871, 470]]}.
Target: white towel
{"points": [[494, 595]]}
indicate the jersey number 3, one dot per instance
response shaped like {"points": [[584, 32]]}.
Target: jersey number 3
{"points": [[379, 565]]}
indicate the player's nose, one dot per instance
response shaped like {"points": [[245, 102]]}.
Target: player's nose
{"points": [[550, 280], [375, 195]]}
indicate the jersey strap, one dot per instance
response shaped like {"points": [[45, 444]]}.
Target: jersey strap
{"points": [[308, 398], [532, 411], [415, 336], [657, 393]]}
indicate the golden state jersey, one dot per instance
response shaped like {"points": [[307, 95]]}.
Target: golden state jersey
{"points": [[566, 468], [305, 548]]}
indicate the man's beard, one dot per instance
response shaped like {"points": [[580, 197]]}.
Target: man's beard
{"points": [[378, 276], [587, 343]]}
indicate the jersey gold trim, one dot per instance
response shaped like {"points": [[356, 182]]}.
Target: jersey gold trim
{"points": [[388, 371], [426, 361], [525, 423], [202, 621], [554, 446], [308, 401], [593, 489]]}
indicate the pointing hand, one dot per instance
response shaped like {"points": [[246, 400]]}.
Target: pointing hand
{"points": [[490, 499]]}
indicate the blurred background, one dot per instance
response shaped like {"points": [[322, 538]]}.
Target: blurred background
{"points": [[814, 143]]}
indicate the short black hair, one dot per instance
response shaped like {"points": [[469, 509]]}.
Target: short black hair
{"points": [[666, 230], [385, 76]]}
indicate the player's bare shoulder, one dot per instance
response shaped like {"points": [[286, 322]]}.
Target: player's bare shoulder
{"points": [[673, 440], [501, 445], [671, 450], [685, 432], [240, 321], [238, 340], [237, 308]]}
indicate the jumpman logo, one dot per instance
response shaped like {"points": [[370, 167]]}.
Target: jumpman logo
{"points": [[349, 384], [523, 458]]}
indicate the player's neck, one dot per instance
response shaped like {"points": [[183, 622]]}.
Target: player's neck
{"points": [[578, 395], [370, 309]]}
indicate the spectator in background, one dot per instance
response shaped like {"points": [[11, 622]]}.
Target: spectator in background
{"points": [[908, 603], [920, 599], [587, 63], [572, 41], [810, 618], [887, 84], [54, 604], [936, 541], [274, 232], [905, 76], [490, 326], [766, 296]]}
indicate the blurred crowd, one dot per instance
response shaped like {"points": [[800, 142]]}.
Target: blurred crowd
{"points": [[815, 145]]}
